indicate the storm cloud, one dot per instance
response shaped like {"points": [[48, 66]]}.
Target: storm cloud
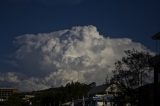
{"points": [[53, 59]]}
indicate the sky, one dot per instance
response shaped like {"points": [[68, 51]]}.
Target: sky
{"points": [[46, 39]]}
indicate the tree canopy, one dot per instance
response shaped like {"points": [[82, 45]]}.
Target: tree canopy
{"points": [[133, 70]]}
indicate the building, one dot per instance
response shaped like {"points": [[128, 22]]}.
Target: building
{"points": [[5, 93], [104, 95]]}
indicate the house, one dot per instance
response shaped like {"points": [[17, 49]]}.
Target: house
{"points": [[78, 102], [104, 95], [5, 93], [27, 97]]}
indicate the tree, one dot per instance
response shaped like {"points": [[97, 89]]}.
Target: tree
{"points": [[133, 69], [15, 100], [131, 72], [57, 96]]}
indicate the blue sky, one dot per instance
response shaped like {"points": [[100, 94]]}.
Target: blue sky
{"points": [[134, 19]]}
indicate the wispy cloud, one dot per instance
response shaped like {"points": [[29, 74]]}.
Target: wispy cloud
{"points": [[76, 54]]}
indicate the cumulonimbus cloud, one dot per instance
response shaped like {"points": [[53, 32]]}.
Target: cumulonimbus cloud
{"points": [[77, 54]]}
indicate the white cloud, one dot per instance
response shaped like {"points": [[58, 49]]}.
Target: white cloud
{"points": [[53, 59]]}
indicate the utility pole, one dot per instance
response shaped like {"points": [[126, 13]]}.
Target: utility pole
{"points": [[156, 64], [83, 101]]}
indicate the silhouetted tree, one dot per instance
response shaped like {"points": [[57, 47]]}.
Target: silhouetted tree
{"points": [[56, 96], [133, 69], [131, 72], [52, 96], [15, 100]]}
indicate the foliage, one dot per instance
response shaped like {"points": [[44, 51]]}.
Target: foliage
{"points": [[132, 72], [133, 69], [15, 100], [53, 96]]}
